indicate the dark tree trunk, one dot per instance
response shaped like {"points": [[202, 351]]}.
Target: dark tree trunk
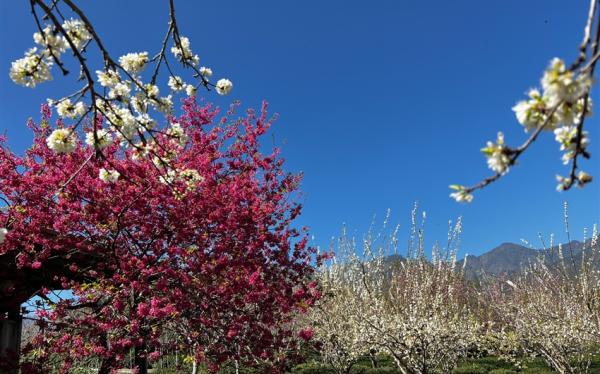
{"points": [[10, 342], [106, 366], [373, 358], [107, 363], [140, 360]]}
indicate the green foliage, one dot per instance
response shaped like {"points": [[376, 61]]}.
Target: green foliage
{"points": [[502, 371], [313, 368], [168, 371], [382, 370], [471, 369], [483, 365]]}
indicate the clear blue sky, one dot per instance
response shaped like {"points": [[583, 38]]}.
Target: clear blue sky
{"points": [[381, 103]]}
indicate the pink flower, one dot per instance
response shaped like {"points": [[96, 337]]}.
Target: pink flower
{"points": [[306, 333]]}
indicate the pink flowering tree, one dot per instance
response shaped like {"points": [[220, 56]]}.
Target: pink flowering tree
{"points": [[191, 228]]}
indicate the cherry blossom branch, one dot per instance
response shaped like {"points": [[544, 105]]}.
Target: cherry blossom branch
{"points": [[562, 108], [514, 154]]}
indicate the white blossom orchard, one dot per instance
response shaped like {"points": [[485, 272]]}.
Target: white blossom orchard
{"points": [[552, 310], [120, 93], [560, 108], [416, 311]]}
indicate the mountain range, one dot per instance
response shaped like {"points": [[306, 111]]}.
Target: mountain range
{"points": [[510, 258]]}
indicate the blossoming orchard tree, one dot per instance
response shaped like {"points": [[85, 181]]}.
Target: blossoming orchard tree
{"points": [[420, 313], [560, 108], [552, 309], [205, 238], [148, 218]]}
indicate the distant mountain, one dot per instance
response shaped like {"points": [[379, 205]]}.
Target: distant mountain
{"points": [[510, 258]]}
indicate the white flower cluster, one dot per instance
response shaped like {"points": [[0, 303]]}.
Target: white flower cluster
{"points": [[128, 101], [55, 44], [177, 133], [206, 72], [460, 194], [126, 94], [66, 108], [134, 62], [224, 86], [32, 69], [183, 51], [101, 140], [78, 32], [3, 233], [497, 157], [176, 83], [192, 178], [108, 176], [561, 99], [35, 67], [566, 136], [62, 141]]}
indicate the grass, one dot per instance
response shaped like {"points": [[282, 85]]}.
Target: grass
{"points": [[385, 365]]}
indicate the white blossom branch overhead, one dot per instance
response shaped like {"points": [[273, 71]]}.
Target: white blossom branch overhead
{"points": [[560, 107], [119, 95]]}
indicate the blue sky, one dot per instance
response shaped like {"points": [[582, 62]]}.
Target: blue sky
{"points": [[381, 103]]}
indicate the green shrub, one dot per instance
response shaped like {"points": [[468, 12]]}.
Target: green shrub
{"points": [[168, 371], [537, 370], [502, 371], [382, 370], [313, 368], [471, 369]]}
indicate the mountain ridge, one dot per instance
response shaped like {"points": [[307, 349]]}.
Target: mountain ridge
{"points": [[510, 258]]}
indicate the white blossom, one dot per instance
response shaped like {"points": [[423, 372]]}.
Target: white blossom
{"points": [[108, 78], [177, 133], [77, 32], [3, 233], [223, 86], [206, 72], [108, 176], [105, 139], [566, 136], [461, 195], [62, 141], [533, 112], [190, 90], [31, 69], [192, 178], [140, 151], [183, 51], [123, 122], [560, 84], [169, 177], [584, 177], [176, 83], [145, 122], [139, 102], [569, 114], [120, 91], [164, 104], [49, 39], [497, 158], [66, 108], [134, 62], [152, 91]]}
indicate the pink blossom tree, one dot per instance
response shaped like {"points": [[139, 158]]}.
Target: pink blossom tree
{"points": [[192, 228]]}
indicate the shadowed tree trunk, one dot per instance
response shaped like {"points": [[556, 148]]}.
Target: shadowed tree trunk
{"points": [[107, 363], [10, 341], [140, 360]]}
